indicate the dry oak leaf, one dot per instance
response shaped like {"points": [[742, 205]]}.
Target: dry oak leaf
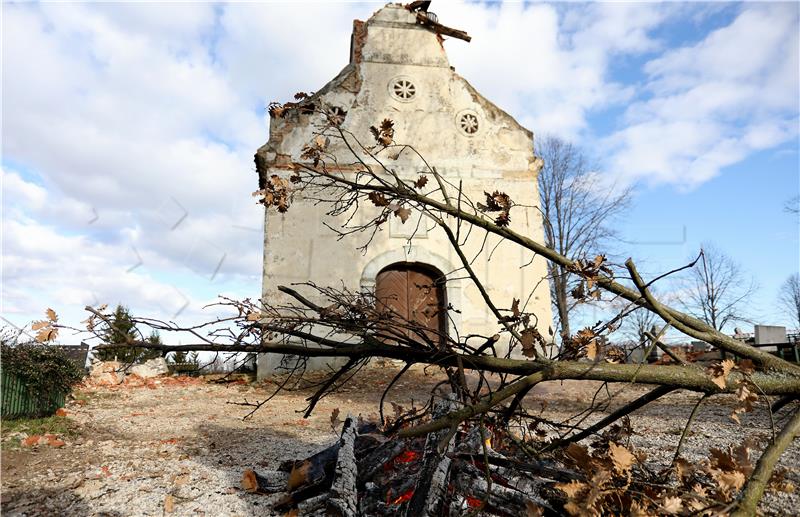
{"points": [[671, 505], [637, 510], [385, 134], [51, 315], [572, 489], [728, 481], [723, 460], [403, 213], [592, 349], [377, 199], [683, 470], [421, 182], [622, 457], [528, 350], [254, 316], [580, 456], [746, 398], [719, 372], [533, 509], [46, 334], [321, 141], [335, 418]]}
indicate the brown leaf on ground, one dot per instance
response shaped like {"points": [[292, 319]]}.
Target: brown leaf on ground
{"points": [[533, 510], [729, 481], [169, 504], [671, 505], [572, 489], [683, 470], [622, 457], [249, 481], [638, 510], [580, 456]]}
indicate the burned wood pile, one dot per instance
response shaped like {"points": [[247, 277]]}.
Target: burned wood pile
{"points": [[370, 473]]}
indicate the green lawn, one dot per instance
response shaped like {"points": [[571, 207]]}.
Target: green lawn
{"points": [[58, 425]]}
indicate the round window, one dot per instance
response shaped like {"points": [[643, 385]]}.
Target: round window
{"points": [[402, 89], [468, 122], [336, 115]]}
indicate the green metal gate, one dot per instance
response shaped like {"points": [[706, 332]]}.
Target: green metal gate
{"points": [[19, 401]]}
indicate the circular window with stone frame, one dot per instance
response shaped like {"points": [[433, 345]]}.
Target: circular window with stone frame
{"points": [[403, 89], [336, 115], [468, 122]]}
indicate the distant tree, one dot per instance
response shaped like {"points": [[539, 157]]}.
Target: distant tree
{"points": [[717, 289], [639, 322], [577, 213], [792, 205], [122, 328], [789, 298], [179, 357], [183, 362]]}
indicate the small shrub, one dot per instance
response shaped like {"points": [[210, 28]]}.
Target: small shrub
{"points": [[44, 370]]}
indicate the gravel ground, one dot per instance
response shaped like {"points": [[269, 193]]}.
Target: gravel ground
{"points": [[179, 448]]}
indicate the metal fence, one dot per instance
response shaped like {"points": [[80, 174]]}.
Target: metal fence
{"points": [[18, 400]]}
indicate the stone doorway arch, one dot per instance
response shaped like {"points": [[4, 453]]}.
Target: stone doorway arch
{"points": [[414, 254]]}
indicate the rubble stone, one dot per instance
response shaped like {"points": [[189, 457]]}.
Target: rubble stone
{"points": [[152, 368]]}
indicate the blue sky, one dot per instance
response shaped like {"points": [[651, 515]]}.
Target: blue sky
{"points": [[129, 129]]}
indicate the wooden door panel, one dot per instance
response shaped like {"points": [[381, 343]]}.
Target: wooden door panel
{"points": [[391, 290], [414, 296], [423, 300]]}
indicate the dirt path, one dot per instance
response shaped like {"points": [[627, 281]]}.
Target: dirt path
{"points": [[180, 445]]}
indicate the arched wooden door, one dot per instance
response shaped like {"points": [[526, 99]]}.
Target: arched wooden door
{"points": [[415, 293]]}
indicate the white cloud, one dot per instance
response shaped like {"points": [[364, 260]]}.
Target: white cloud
{"points": [[548, 65], [121, 119], [714, 103], [110, 114]]}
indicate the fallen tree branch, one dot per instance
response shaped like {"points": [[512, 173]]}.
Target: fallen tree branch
{"points": [[616, 415], [754, 489]]}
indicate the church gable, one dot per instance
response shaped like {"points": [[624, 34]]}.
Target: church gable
{"points": [[399, 70]]}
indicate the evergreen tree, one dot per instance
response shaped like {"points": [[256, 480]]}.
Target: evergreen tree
{"points": [[122, 327]]}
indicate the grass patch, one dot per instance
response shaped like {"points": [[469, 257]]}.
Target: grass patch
{"points": [[80, 396], [86, 397], [58, 425]]}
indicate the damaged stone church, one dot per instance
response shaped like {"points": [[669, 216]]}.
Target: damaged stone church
{"points": [[398, 70]]}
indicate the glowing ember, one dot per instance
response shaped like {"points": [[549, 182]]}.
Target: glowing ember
{"points": [[474, 502], [405, 496], [406, 457]]}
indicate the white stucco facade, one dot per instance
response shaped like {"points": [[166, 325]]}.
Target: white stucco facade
{"points": [[464, 136]]}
